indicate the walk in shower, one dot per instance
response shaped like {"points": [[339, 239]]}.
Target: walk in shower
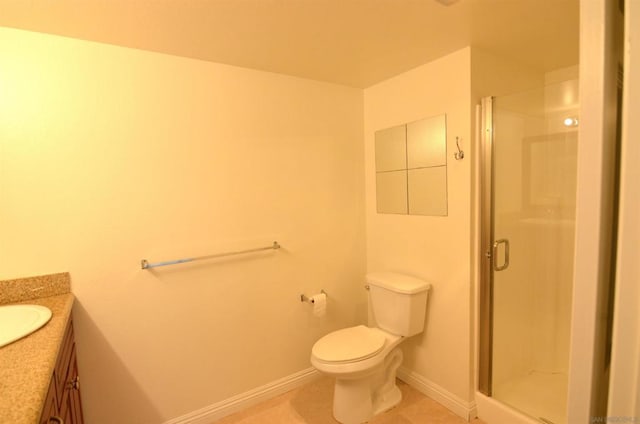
{"points": [[528, 179]]}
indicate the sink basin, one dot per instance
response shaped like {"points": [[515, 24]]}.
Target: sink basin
{"points": [[17, 321]]}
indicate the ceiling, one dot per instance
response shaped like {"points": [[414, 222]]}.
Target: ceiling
{"points": [[351, 42]]}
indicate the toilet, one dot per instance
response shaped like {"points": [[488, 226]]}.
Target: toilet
{"points": [[364, 360]]}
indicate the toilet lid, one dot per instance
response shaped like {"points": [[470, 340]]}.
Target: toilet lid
{"points": [[349, 344]]}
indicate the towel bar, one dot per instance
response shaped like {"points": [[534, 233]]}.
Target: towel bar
{"points": [[146, 265]]}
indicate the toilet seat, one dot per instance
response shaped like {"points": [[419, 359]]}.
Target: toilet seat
{"points": [[348, 345]]}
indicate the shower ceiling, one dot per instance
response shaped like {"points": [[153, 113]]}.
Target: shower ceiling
{"points": [[352, 42]]}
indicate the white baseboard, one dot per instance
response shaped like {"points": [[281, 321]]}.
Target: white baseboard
{"points": [[211, 413], [214, 412], [460, 407]]}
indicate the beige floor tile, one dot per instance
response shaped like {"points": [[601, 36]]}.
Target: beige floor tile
{"points": [[312, 404]]}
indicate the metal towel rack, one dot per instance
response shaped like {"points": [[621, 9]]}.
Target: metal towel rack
{"points": [[146, 265]]}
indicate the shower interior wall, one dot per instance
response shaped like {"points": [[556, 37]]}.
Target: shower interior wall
{"points": [[532, 298], [532, 303]]}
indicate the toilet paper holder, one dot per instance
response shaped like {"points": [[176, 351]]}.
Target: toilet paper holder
{"points": [[304, 298]]}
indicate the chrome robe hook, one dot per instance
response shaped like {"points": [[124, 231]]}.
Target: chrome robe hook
{"points": [[459, 155]]}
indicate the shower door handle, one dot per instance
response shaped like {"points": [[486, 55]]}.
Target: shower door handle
{"points": [[494, 255]]}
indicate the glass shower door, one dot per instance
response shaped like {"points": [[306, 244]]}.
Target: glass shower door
{"points": [[534, 147]]}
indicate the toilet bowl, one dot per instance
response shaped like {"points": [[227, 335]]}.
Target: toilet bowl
{"points": [[364, 360]]}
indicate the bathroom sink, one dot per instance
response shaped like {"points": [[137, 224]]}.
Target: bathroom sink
{"points": [[17, 321]]}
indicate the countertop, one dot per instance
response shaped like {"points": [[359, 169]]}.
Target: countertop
{"points": [[26, 365]]}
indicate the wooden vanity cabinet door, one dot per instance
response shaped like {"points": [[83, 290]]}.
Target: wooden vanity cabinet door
{"points": [[50, 408], [75, 405], [62, 365], [63, 397], [71, 408]]}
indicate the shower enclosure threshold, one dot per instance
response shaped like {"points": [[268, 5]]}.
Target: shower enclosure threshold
{"points": [[492, 411], [538, 394]]}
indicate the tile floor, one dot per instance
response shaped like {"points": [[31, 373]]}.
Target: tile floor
{"points": [[311, 404]]}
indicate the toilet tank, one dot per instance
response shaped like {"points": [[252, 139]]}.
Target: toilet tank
{"points": [[398, 302]]}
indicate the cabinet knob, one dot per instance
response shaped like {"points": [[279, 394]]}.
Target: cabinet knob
{"points": [[74, 384], [56, 420]]}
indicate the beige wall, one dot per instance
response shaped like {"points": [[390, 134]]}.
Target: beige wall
{"points": [[110, 155], [434, 248]]}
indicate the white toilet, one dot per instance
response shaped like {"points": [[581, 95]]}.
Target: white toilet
{"points": [[364, 360]]}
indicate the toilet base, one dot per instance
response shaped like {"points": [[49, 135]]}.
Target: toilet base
{"points": [[356, 401], [388, 401], [352, 403]]}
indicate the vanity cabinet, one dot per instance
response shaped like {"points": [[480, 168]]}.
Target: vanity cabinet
{"points": [[62, 404]]}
